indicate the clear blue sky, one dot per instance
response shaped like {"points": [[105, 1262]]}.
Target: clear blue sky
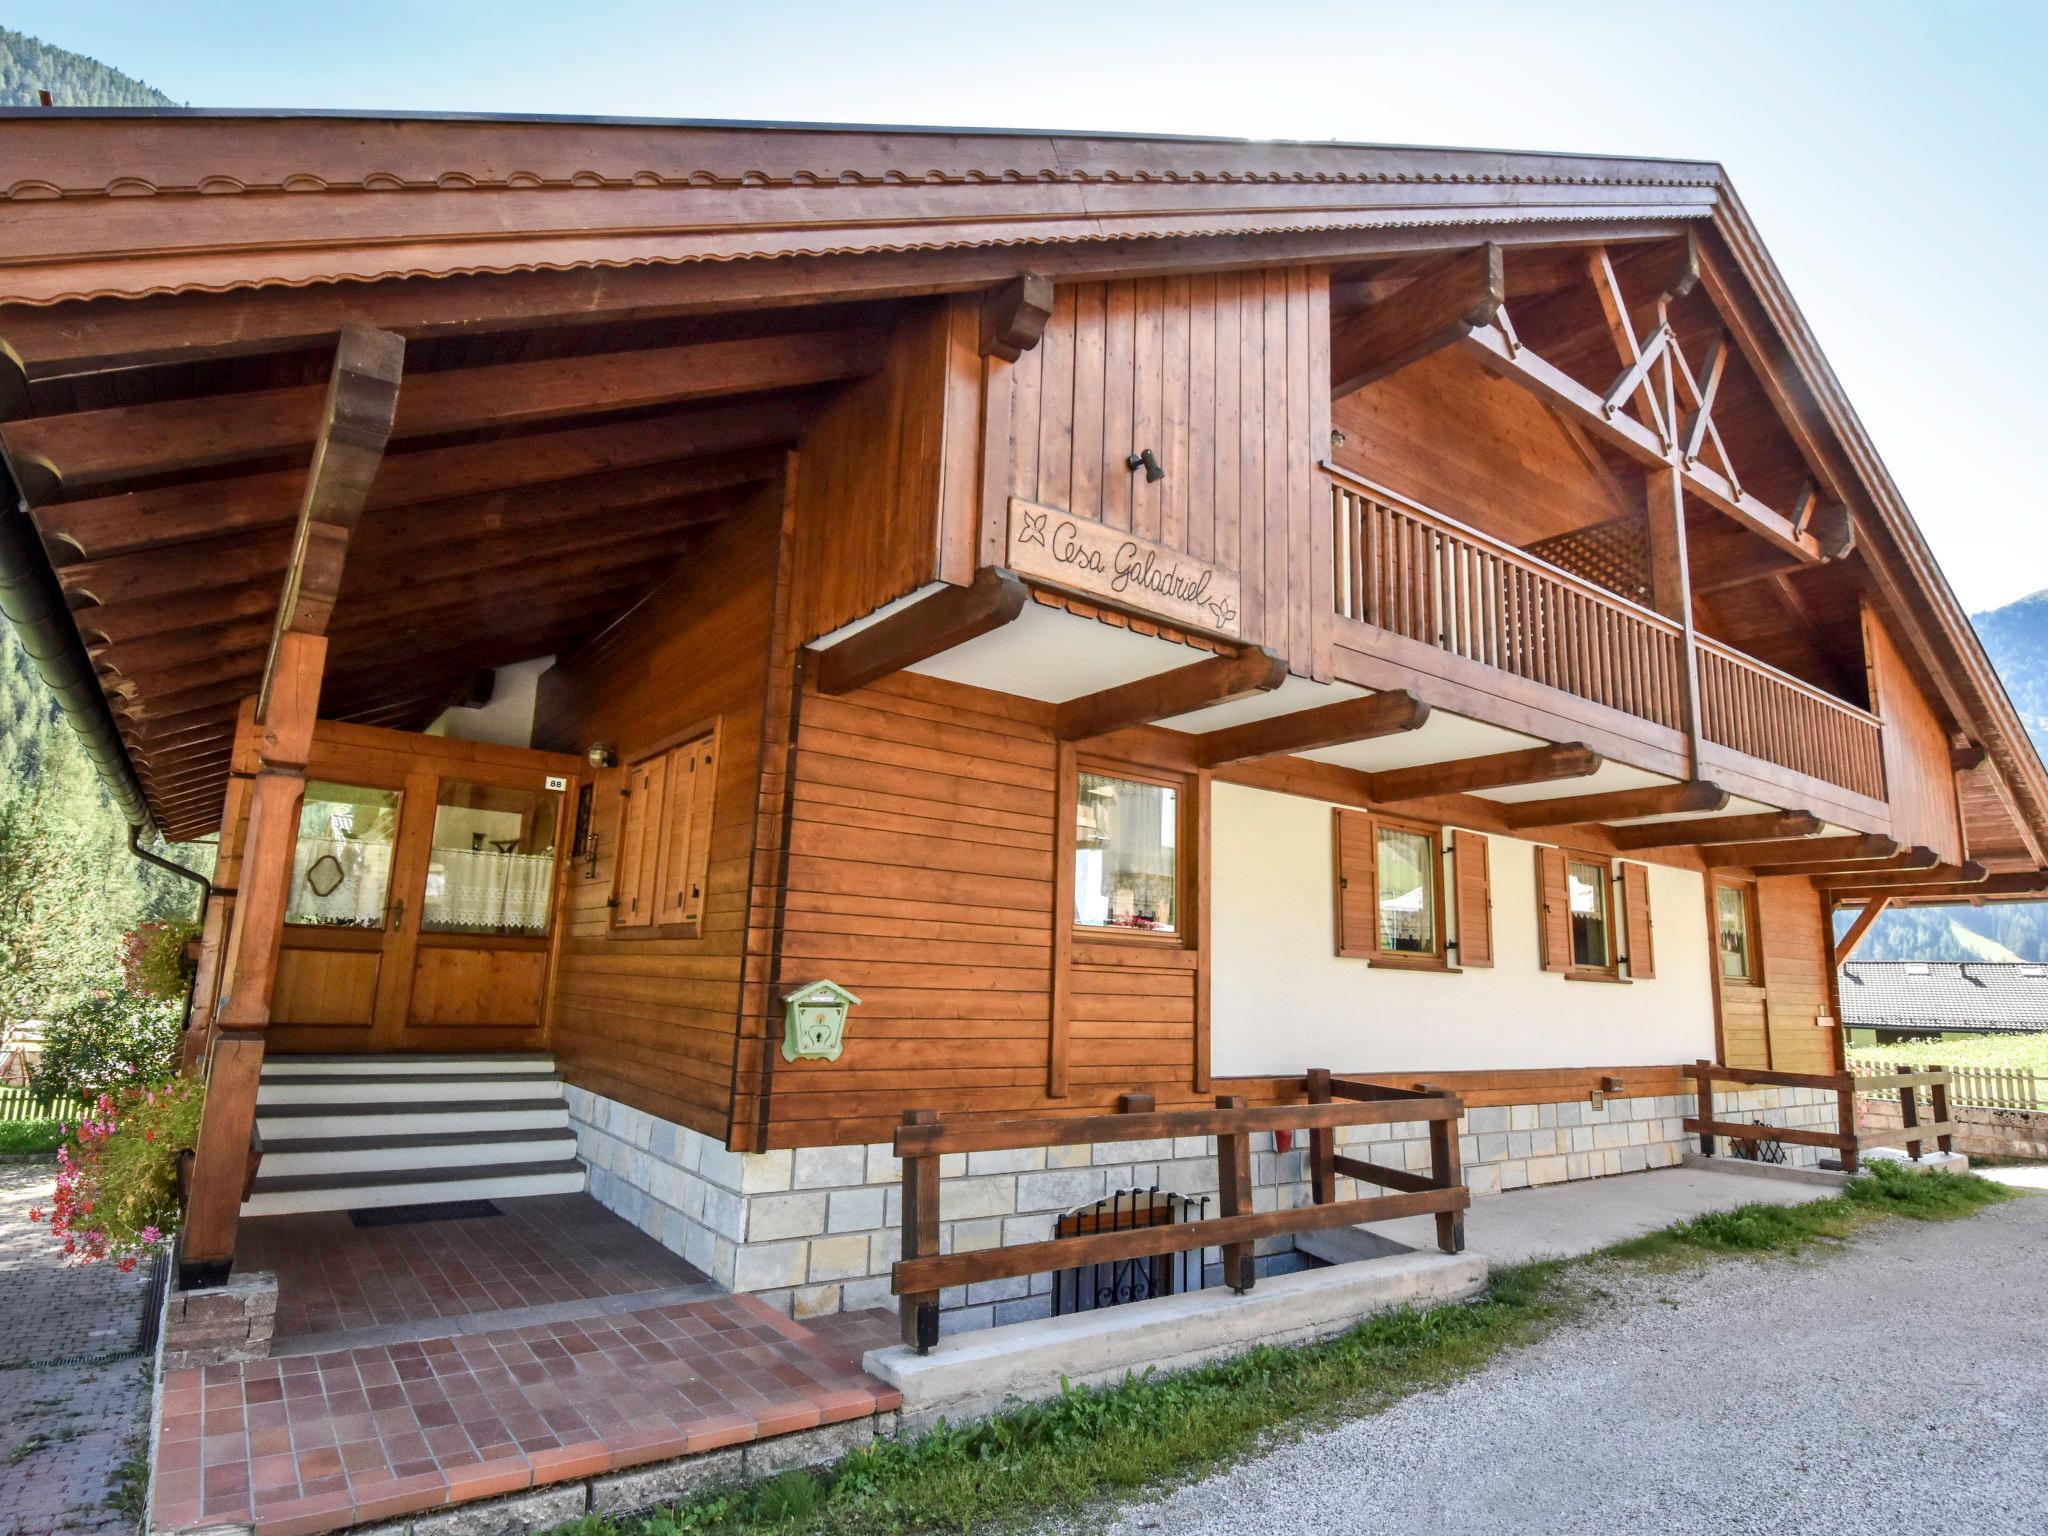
{"points": [[1891, 154]]}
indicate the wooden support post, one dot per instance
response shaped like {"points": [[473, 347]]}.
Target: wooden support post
{"points": [[920, 1309], [1671, 592], [1909, 1113], [1937, 1096], [1845, 1122], [1703, 1093], [1234, 1194], [1445, 1173], [1322, 1142]]}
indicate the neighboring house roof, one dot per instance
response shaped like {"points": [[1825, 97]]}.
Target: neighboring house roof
{"points": [[1992, 996]]}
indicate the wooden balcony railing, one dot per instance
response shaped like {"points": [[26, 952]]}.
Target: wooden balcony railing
{"points": [[1768, 714], [1403, 568]]}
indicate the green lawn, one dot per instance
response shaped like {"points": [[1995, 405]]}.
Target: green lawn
{"points": [[1061, 1456], [2019, 1053]]}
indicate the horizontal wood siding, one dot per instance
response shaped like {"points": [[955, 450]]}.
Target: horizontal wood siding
{"points": [[1771, 1025], [647, 1016], [1227, 380], [1918, 778]]}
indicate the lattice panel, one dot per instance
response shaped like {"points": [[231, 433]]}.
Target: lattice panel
{"points": [[1614, 555]]}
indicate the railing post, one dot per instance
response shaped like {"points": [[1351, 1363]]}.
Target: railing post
{"points": [[1234, 1194], [1322, 1143], [919, 1310], [1845, 1120], [1909, 1114], [1443, 1157], [1703, 1092], [1937, 1094]]}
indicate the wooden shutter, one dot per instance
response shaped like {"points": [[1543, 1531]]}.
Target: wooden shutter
{"points": [[693, 782], [640, 833], [1635, 902], [1470, 865], [1553, 910], [1357, 906]]}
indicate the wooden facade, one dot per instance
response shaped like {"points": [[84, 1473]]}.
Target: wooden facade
{"points": [[868, 515]]}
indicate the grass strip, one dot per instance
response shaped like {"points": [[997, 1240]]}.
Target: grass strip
{"points": [[26, 1138], [1059, 1456]]}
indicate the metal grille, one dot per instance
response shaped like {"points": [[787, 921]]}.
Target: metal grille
{"points": [[1765, 1149], [1090, 1287]]}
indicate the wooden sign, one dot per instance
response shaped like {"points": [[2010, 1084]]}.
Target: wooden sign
{"points": [[1092, 559]]}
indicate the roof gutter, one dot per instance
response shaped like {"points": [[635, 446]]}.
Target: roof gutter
{"points": [[34, 604]]}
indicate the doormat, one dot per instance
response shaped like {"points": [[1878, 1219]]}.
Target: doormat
{"points": [[406, 1215]]}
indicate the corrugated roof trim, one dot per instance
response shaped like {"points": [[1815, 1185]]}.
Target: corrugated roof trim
{"points": [[673, 249]]}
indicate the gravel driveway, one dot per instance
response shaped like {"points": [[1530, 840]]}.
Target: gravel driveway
{"points": [[1896, 1383]]}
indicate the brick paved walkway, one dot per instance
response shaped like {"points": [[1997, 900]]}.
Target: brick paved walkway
{"points": [[64, 1429], [335, 1277], [443, 1361]]}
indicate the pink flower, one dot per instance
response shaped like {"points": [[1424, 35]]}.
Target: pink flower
{"points": [[152, 1236]]}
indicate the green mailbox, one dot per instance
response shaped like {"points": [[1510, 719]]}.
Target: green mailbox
{"points": [[814, 1021]]}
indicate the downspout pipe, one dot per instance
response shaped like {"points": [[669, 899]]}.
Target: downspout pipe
{"points": [[171, 867], [34, 604]]}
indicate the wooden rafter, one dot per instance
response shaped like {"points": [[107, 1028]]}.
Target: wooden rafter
{"points": [[1529, 765], [355, 423], [1956, 877], [1916, 858], [1813, 850], [2016, 885], [1200, 684], [1427, 315], [122, 442], [1333, 725], [1616, 805], [1705, 832], [933, 623]]}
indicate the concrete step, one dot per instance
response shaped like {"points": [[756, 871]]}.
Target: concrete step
{"points": [[293, 1194], [362, 1119], [491, 1063], [292, 1154], [402, 1087]]}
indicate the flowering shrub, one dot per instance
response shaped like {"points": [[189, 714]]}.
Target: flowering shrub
{"points": [[106, 1042], [153, 959], [117, 1178]]}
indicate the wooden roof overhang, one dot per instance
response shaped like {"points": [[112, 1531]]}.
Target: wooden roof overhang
{"points": [[614, 329]]}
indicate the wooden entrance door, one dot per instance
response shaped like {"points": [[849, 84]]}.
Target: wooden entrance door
{"points": [[424, 889]]}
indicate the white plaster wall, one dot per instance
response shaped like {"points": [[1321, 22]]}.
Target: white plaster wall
{"points": [[1283, 1001], [508, 719]]}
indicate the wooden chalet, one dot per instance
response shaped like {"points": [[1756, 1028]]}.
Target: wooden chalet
{"points": [[1156, 622]]}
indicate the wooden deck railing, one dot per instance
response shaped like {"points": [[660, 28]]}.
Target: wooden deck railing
{"points": [[1404, 568], [1332, 1103], [1772, 715], [1846, 1139]]}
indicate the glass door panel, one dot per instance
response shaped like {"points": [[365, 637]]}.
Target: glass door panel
{"points": [[341, 869], [492, 866]]}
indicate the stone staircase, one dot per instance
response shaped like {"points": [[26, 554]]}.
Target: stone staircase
{"points": [[352, 1132]]}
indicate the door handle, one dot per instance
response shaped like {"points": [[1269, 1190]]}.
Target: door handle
{"points": [[397, 914]]}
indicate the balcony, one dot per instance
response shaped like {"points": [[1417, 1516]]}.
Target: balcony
{"points": [[1412, 572]]}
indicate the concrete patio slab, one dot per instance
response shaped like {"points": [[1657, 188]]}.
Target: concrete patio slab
{"points": [[1561, 1221]]}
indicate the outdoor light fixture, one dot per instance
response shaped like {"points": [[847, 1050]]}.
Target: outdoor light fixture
{"points": [[598, 755], [1336, 439], [1149, 462]]}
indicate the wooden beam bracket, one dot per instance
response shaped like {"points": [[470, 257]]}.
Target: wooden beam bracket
{"points": [[1200, 684], [1013, 316], [933, 623]]}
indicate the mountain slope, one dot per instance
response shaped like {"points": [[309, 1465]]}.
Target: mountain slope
{"points": [[28, 65], [2016, 636]]}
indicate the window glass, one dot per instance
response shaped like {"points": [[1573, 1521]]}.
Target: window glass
{"points": [[1588, 886], [1407, 891], [341, 869], [1125, 859], [1731, 909], [493, 864]]}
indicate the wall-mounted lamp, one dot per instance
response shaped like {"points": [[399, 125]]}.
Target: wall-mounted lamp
{"points": [[598, 755], [1149, 462], [1336, 439]]}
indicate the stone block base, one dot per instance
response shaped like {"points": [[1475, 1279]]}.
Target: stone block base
{"points": [[221, 1325]]}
